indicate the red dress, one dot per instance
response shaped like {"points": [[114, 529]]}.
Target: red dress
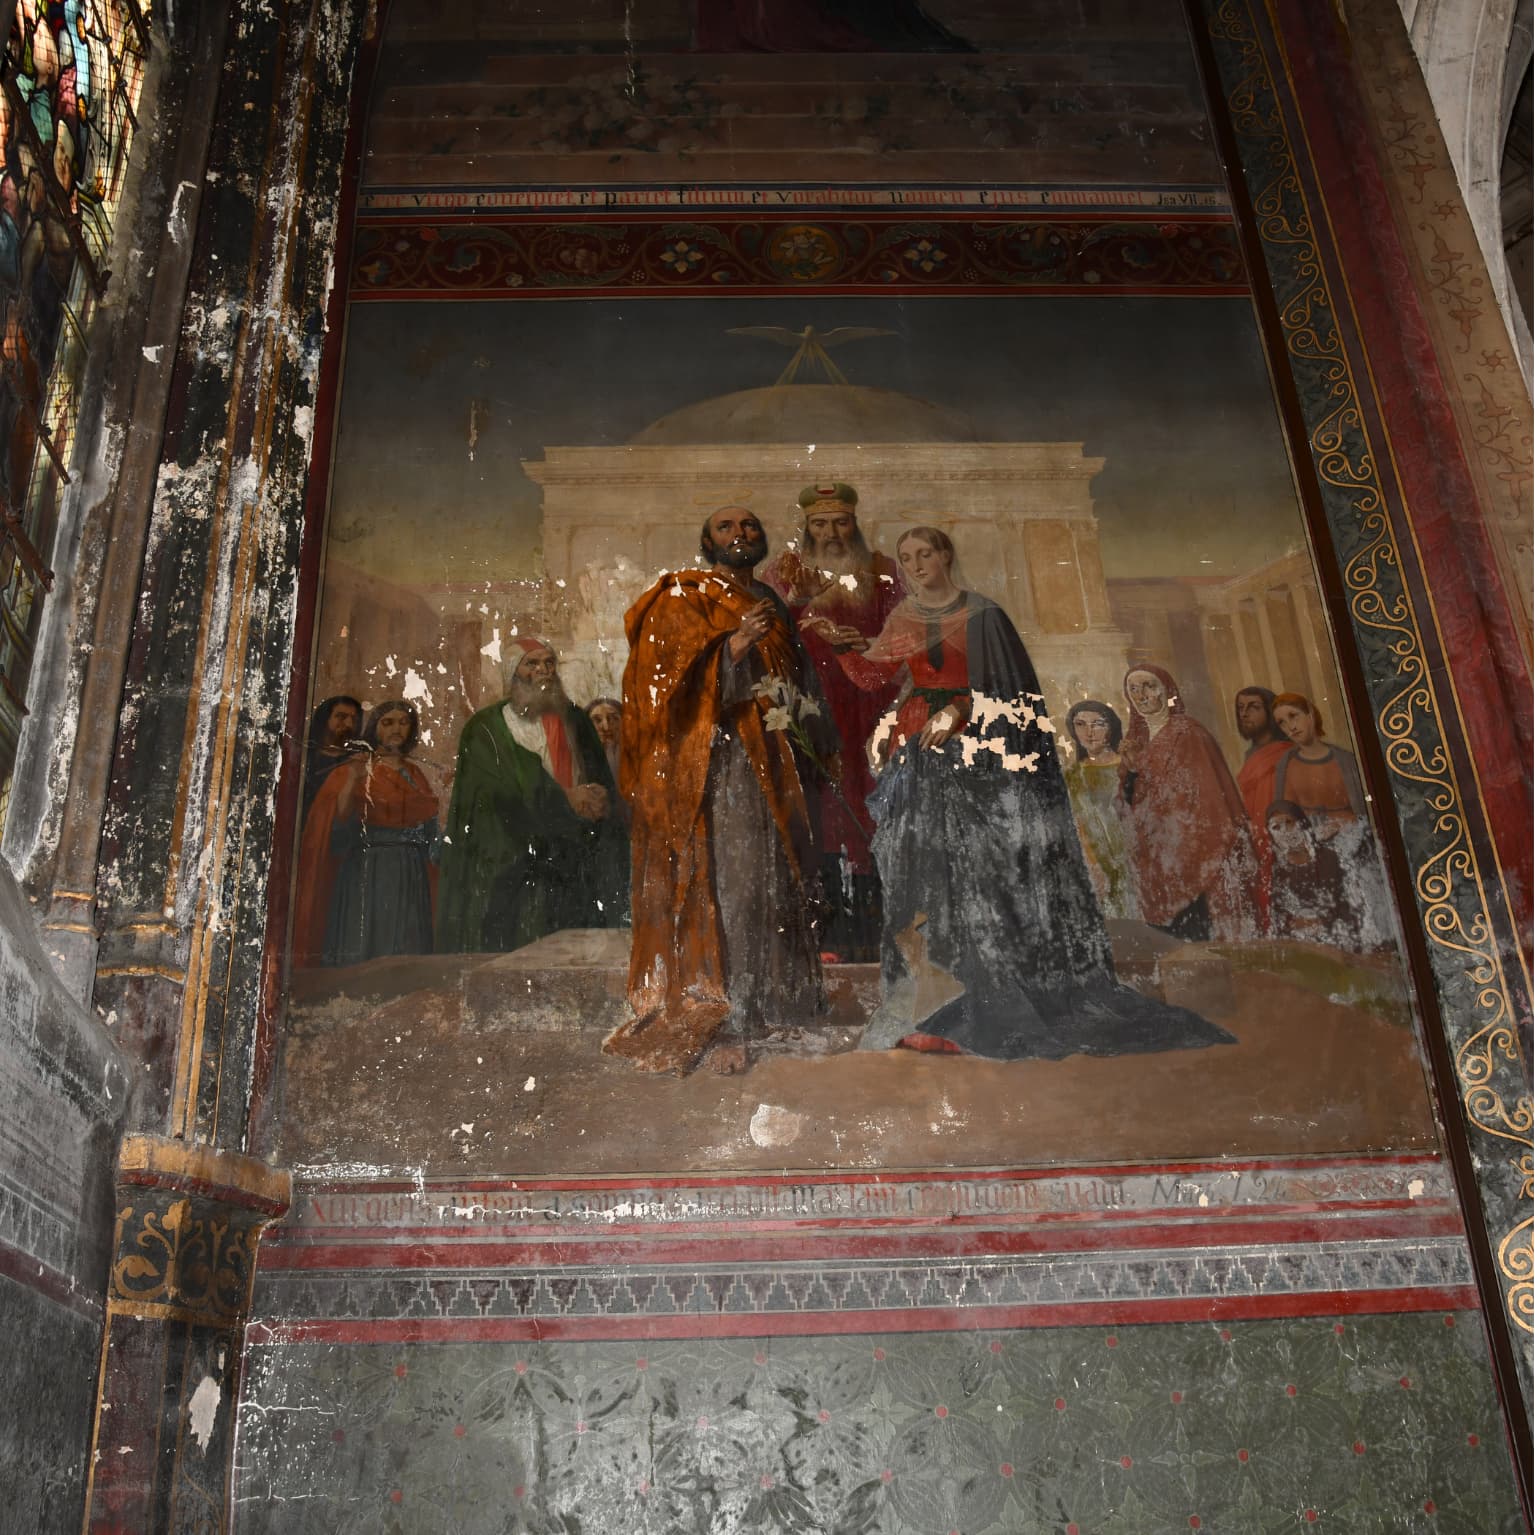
{"points": [[934, 652], [855, 710]]}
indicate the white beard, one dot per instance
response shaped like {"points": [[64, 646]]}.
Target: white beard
{"points": [[530, 699]]}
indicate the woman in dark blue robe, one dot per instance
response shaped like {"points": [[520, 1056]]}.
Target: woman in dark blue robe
{"points": [[993, 941], [370, 882]]}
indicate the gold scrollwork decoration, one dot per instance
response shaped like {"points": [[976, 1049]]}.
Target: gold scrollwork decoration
{"points": [[178, 1258], [1448, 884], [1516, 1255]]}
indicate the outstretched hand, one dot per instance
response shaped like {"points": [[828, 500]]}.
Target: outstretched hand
{"points": [[802, 581], [838, 636]]}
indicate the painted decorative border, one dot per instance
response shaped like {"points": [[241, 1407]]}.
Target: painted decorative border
{"points": [[484, 1259], [35, 1227], [570, 1210], [906, 196], [505, 257], [1452, 895], [1390, 1274]]}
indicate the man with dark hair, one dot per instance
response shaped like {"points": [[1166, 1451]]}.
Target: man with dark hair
{"points": [[719, 701], [1266, 745], [333, 730], [839, 590], [532, 842]]}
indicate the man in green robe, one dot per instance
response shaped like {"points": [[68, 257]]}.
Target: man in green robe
{"points": [[534, 841]]}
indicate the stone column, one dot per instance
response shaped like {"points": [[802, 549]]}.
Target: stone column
{"points": [[189, 1219], [174, 839]]}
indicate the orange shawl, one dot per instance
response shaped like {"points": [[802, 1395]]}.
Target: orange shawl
{"points": [[382, 798], [677, 632]]}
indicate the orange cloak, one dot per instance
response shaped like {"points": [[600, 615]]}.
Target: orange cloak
{"points": [[382, 798], [677, 632]]}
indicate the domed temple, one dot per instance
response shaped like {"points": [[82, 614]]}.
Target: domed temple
{"points": [[1020, 513]]}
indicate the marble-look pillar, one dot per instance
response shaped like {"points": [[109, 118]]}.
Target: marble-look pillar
{"points": [[189, 1219]]}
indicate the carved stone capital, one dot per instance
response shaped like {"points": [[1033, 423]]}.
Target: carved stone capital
{"points": [[189, 1219]]}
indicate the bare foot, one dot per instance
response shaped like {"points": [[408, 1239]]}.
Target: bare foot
{"points": [[726, 1060]]}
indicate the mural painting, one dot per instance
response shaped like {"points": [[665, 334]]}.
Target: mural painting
{"points": [[818, 660], [679, 720]]}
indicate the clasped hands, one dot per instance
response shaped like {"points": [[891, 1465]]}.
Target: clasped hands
{"points": [[588, 800], [838, 636], [758, 621]]}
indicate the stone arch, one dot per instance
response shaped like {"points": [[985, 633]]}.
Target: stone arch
{"points": [[1475, 55]]}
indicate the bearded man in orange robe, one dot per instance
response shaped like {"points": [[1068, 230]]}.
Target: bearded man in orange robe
{"points": [[721, 702]]}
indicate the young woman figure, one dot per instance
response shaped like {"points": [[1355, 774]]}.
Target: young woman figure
{"points": [[993, 942], [368, 841]]}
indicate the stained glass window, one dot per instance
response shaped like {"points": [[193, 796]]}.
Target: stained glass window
{"points": [[70, 81]]}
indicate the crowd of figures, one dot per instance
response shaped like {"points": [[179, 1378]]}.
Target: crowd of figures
{"points": [[1281, 850], [844, 758]]}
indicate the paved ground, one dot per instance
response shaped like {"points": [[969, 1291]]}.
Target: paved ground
{"points": [[492, 1065]]}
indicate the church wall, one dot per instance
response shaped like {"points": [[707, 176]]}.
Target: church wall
{"points": [[64, 1093], [1050, 1429], [69, 1073], [465, 1328], [463, 1337]]}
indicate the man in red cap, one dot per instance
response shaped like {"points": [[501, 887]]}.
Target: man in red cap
{"points": [[837, 587], [533, 843]]}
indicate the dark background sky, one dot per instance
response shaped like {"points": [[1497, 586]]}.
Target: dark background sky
{"points": [[1173, 393]]}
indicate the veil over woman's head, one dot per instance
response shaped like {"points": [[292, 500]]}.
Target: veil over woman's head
{"points": [[1139, 731], [940, 541]]}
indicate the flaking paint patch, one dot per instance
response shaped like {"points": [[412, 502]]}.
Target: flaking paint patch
{"points": [[772, 1125], [202, 1410]]}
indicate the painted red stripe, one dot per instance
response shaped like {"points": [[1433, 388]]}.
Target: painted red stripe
{"points": [[1117, 1172], [23, 1269], [411, 1253], [1237, 288], [1114, 1313], [205, 1188]]}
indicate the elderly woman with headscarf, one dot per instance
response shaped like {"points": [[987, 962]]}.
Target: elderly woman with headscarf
{"points": [[1185, 822], [367, 851]]}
